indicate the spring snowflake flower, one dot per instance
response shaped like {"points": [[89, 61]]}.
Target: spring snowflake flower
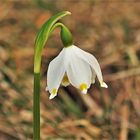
{"points": [[74, 66]]}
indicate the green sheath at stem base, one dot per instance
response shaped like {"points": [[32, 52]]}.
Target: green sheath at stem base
{"points": [[36, 107]]}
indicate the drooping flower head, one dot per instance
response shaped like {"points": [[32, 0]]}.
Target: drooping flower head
{"points": [[73, 66]]}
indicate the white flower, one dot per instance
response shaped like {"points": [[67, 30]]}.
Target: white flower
{"points": [[74, 66]]}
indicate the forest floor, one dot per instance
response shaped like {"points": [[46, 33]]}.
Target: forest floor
{"points": [[108, 30]]}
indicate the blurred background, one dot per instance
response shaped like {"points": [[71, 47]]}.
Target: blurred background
{"points": [[110, 30]]}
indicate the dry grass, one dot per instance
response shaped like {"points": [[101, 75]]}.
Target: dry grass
{"points": [[110, 31]]}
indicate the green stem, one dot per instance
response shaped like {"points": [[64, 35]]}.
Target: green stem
{"points": [[40, 42], [36, 107]]}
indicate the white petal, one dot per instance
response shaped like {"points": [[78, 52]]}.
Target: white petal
{"points": [[84, 91], [46, 89], [78, 71], [91, 60], [65, 81], [56, 71], [93, 77], [103, 84], [65, 84], [52, 96]]}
